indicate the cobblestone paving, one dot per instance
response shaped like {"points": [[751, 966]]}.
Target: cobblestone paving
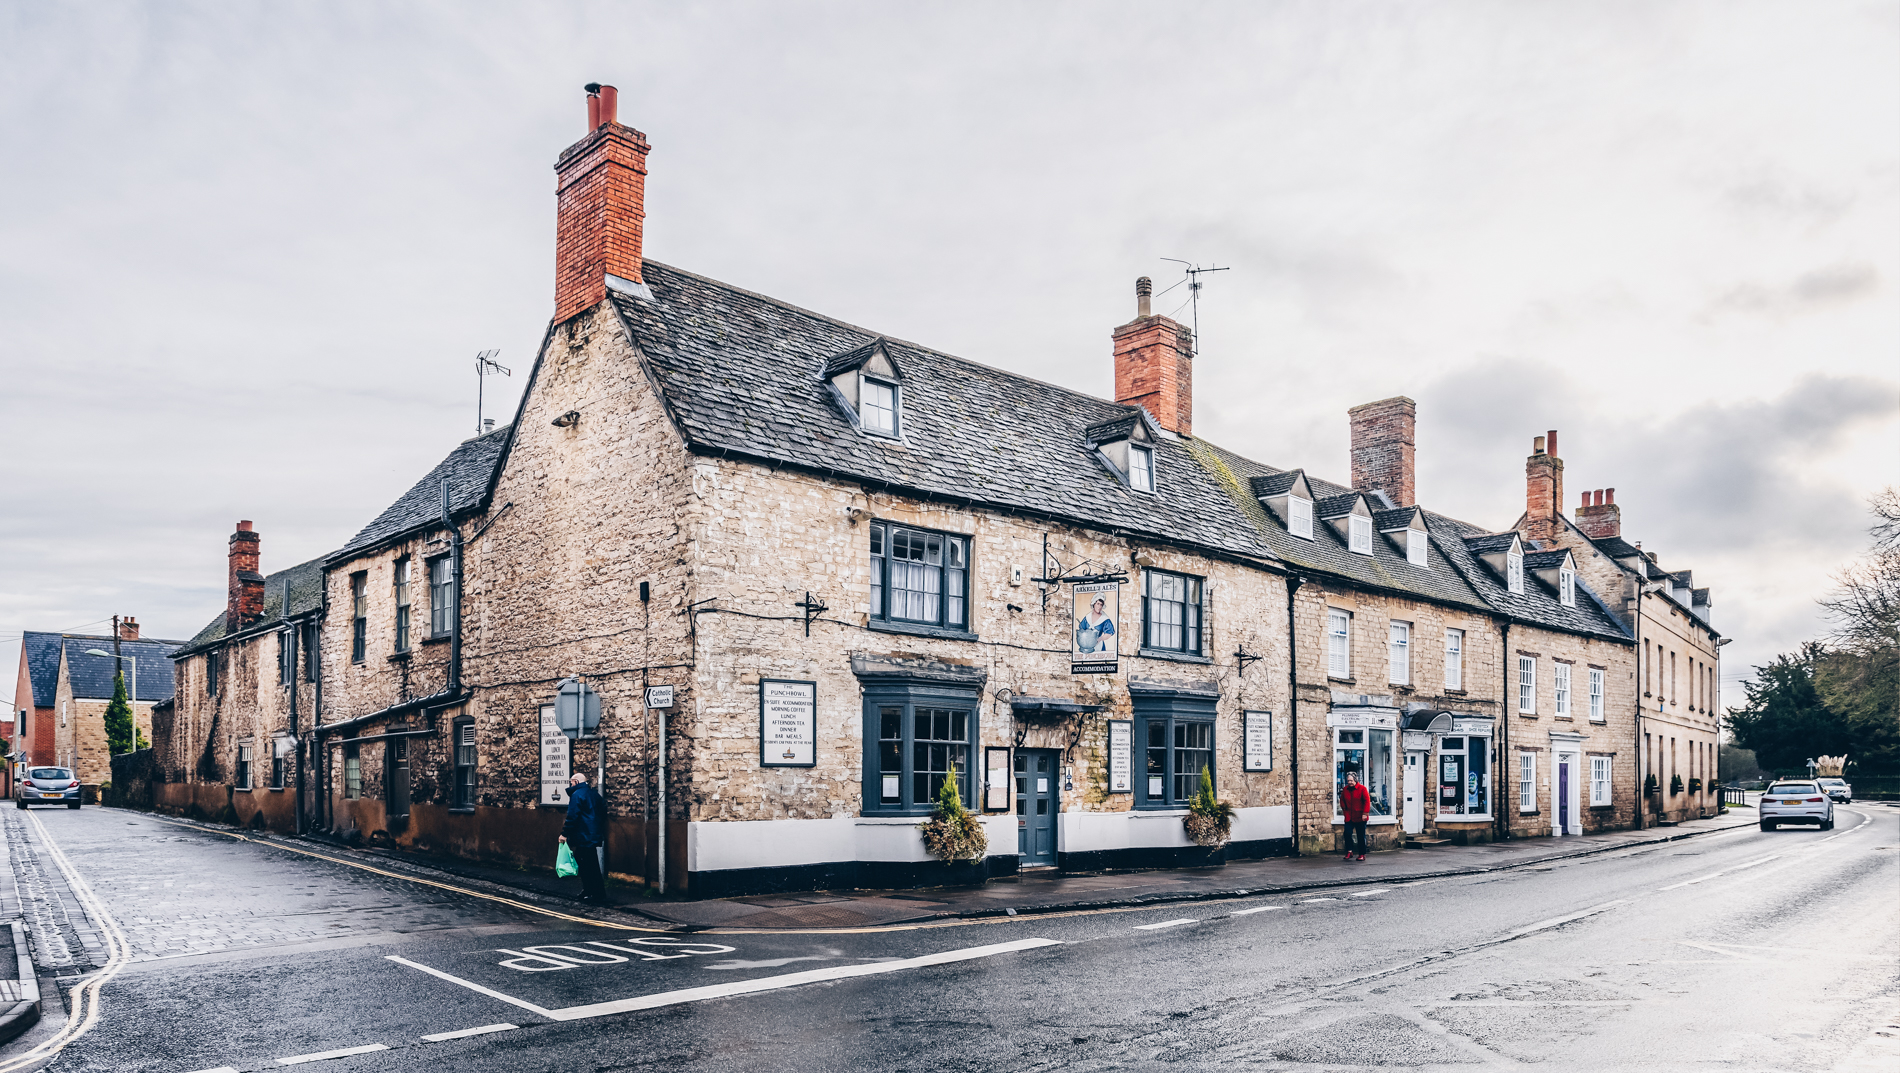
{"points": [[178, 892], [62, 939]]}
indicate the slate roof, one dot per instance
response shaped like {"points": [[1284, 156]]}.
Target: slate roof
{"points": [[1387, 566], [743, 375], [306, 594], [1396, 518], [852, 359], [1276, 483], [1538, 603], [1618, 548], [1335, 506], [1544, 560], [469, 469], [91, 676]]}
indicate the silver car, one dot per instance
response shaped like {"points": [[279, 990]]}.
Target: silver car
{"points": [[1838, 789], [1796, 802], [48, 786]]}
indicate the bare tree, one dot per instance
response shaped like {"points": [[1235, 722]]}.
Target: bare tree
{"points": [[1865, 603]]}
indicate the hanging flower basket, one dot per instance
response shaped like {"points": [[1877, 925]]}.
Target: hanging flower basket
{"points": [[953, 833], [1209, 820], [1695, 786], [1651, 786], [1675, 784]]}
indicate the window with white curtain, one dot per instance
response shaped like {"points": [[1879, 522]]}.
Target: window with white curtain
{"points": [[1338, 643], [1399, 656]]}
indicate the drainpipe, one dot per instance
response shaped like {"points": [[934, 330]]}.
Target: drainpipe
{"points": [[296, 733], [1502, 824], [1293, 583], [1636, 687]]}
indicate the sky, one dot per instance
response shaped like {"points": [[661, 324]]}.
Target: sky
{"points": [[248, 252]]}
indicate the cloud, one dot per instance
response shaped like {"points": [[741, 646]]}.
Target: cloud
{"points": [[1823, 287]]}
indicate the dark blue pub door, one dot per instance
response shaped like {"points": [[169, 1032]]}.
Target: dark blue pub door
{"points": [[1036, 798]]}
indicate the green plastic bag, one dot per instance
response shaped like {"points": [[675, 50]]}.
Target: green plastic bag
{"points": [[564, 862]]}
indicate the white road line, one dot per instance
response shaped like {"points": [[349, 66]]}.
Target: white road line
{"points": [[320, 1056], [1555, 921], [1310, 901], [438, 1037], [1723, 872], [1369, 893], [1166, 924], [472, 986], [1255, 909], [772, 983], [219, 1069]]}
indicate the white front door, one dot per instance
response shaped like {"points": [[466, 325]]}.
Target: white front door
{"points": [[1414, 793]]}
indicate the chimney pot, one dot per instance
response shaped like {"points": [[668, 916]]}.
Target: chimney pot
{"points": [[1537, 445], [1609, 495], [609, 106], [128, 629], [244, 527], [1144, 297], [1552, 448], [1385, 448], [600, 187]]}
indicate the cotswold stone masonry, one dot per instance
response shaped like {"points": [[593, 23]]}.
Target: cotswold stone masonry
{"points": [[711, 490]]}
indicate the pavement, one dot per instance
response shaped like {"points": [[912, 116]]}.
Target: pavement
{"points": [[1051, 891], [225, 951]]}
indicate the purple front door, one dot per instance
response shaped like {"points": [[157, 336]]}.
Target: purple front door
{"points": [[1563, 796]]}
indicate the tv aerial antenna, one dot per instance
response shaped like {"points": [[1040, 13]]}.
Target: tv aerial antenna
{"points": [[1194, 274], [485, 364]]}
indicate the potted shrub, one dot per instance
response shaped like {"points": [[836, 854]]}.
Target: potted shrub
{"points": [[1209, 820], [1651, 786], [1695, 786], [953, 833], [1675, 784]]}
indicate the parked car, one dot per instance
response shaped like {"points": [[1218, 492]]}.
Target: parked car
{"points": [[48, 786], [1796, 802], [1838, 789]]}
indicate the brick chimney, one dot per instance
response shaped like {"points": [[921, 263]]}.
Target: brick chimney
{"points": [[1543, 489], [244, 598], [1154, 365], [600, 186], [1603, 518], [1384, 446], [128, 629]]}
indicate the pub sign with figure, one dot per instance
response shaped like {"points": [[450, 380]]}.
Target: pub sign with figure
{"points": [[1095, 632]]}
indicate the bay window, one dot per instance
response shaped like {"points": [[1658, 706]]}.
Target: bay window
{"points": [[1175, 731], [915, 736]]}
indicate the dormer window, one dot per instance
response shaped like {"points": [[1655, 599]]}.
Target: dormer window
{"points": [[1299, 517], [1415, 542], [877, 406], [1141, 468], [1567, 587], [1514, 572], [1360, 540]]}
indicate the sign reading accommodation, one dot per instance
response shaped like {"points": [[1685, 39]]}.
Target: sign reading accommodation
{"points": [[788, 723], [1121, 760], [554, 771], [1095, 633], [1258, 732]]}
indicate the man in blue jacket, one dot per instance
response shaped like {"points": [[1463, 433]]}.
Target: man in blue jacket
{"points": [[581, 832]]}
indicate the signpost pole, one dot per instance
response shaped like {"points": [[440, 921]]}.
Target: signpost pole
{"points": [[662, 786]]}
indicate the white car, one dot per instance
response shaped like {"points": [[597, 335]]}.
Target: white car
{"points": [[1796, 802], [1838, 789], [48, 786]]}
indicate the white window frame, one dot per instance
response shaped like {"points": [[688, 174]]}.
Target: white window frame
{"points": [[1338, 643], [1455, 659], [1415, 544], [1514, 572], [246, 773], [1399, 653], [1567, 587], [1602, 772], [1560, 681], [1359, 534], [1527, 685], [1526, 782], [896, 409], [1141, 468], [1299, 517], [1596, 695]]}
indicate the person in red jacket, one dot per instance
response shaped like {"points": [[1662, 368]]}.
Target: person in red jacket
{"points": [[1355, 803]]}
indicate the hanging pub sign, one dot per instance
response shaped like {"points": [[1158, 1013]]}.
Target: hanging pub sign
{"points": [[554, 751], [1095, 639], [788, 723], [1121, 756], [1258, 743]]}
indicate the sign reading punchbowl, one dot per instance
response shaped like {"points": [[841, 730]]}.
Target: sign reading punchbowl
{"points": [[788, 723]]}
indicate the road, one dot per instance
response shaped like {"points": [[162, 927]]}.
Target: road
{"points": [[1743, 950]]}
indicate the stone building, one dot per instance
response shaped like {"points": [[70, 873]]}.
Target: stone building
{"points": [[1678, 680], [246, 694], [61, 693], [811, 571]]}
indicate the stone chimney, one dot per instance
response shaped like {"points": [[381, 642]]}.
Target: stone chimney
{"points": [[128, 629], [1384, 447], [1543, 489], [600, 186], [1154, 365], [244, 597], [1601, 519]]}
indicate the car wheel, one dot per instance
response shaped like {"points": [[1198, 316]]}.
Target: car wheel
{"points": [[21, 804], [72, 804], [1827, 824], [1768, 825]]}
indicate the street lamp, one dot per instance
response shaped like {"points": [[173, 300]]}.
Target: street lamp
{"points": [[134, 661]]}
